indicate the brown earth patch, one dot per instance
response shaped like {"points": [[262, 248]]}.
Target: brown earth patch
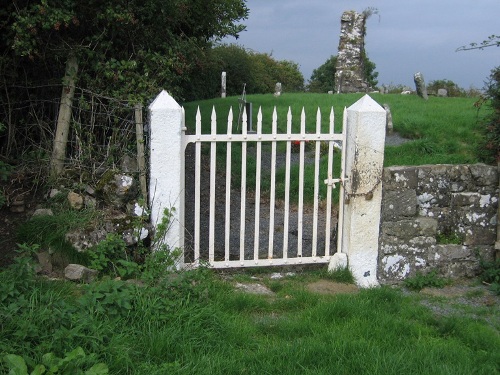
{"points": [[327, 287]]}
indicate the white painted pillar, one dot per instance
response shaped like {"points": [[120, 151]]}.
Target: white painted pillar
{"points": [[166, 181], [366, 122]]}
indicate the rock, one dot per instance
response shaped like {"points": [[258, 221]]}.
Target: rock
{"points": [[53, 193], [44, 259], [77, 272], [90, 190], [129, 165], [420, 85], [17, 205], [43, 212], [254, 289], [90, 202], [75, 200], [117, 189], [82, 239]]}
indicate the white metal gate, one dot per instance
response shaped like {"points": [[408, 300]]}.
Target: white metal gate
{"points": [[270, 254]]}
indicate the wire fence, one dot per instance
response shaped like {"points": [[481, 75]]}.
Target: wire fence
{"points": [[102, 132]]}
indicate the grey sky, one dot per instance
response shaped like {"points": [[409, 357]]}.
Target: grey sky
{"points": [[406, 37]]}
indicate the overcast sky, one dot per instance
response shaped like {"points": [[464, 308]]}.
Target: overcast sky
{"points": [[405, 37]]}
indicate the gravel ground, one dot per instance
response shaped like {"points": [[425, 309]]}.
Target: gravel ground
{"points": [[234, 219], [392, 139]]}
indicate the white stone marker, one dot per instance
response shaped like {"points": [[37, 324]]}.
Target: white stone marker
{"points": [[366, 122], [166, 179]]}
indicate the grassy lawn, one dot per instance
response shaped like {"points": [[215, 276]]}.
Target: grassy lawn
{"points": [[442, 130], [197, 323]]}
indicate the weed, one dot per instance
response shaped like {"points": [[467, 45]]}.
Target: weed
{"points": [[111, 297], [420, 281], [72, 363], [448, 239], [110, 257], [341, 275], [490, 274]]}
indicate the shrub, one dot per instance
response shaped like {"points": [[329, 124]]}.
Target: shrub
{"points": [[490, 149]]}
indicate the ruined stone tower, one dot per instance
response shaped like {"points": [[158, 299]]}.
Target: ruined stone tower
{"points": [[349, 75]]}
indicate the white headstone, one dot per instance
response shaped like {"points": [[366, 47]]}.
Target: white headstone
{"points": [[223, 85]]}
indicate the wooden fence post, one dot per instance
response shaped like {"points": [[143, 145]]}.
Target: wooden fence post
{"points": [[141, 162], [64, 118], [166, 181], [365, 141]]}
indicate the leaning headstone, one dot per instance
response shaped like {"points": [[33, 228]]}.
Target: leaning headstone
{"points": [[389, 125], [443, 93], [277, 89], [420, 85], [223, 85]]}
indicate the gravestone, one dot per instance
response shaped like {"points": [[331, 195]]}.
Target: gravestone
{"points": [[443, 93], [420, 85], [389, 126], [277, 89], [223, 85], [349, 75]]}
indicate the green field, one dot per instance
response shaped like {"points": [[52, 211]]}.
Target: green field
{"points": [[438, 131], [442, 130]]}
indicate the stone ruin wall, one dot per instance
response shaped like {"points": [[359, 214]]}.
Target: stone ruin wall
{"points": [[424, 208], [349, 75]]}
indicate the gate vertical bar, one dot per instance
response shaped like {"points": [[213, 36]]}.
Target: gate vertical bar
{"points": [[287, 184], [243, 185], [316, 184], [340, 224], [273, 185], [257, 186], [213, 159], [300, 213], [197, 176], [329, 187], [227, 232]]}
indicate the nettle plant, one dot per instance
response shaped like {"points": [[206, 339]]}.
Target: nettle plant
{"points": [[112, 256]]}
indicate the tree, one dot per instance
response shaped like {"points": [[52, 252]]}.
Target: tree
{"points": [[323, 77], [491, 41], [127, 49], [451, 87], [128, 45]]}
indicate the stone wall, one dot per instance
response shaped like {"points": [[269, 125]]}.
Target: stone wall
{"points": [[437, 217]]}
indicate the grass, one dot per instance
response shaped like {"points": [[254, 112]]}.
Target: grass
{"points": [[440, 130], [201, 325]]}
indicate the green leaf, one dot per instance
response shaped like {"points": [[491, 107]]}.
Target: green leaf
{"points": [[16, 364], [98, 369], [38, 370], [50, 360]]}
